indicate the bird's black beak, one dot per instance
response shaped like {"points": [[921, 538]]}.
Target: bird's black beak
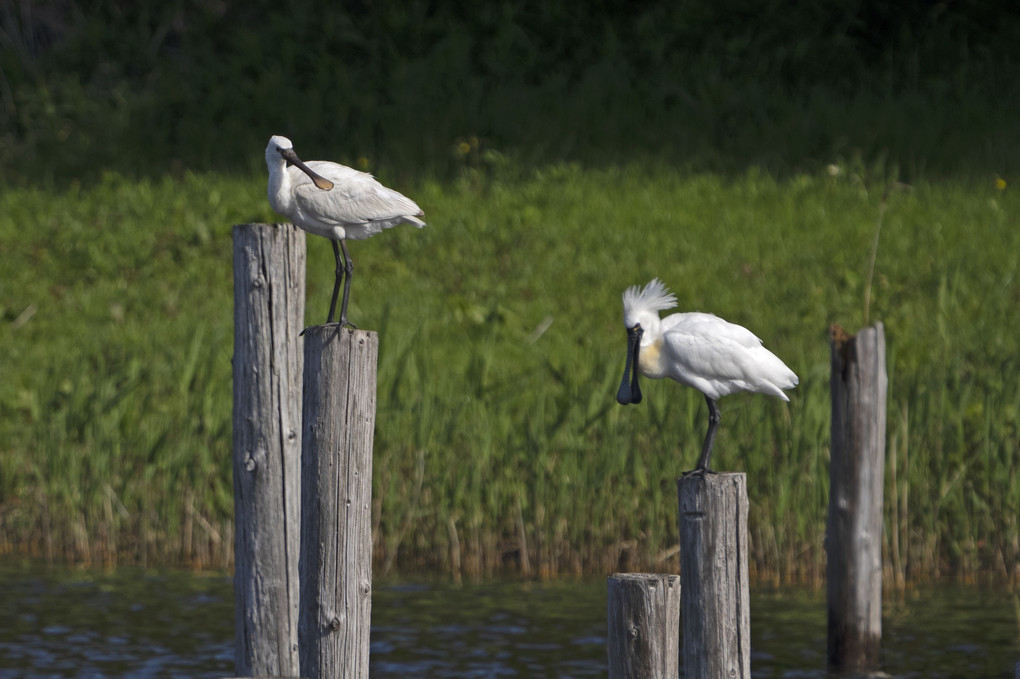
{"points": [[629, 391], [317, 179]]}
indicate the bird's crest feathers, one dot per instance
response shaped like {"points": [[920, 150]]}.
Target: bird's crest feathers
{"points": [[653, 297]]}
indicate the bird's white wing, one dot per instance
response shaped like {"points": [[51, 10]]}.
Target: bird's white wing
{"points": [[696, 355], [710, 326], [718, 357], [356, 197]]}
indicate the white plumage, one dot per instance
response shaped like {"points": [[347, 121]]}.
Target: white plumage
{"points": [[699, 350], [336, 202]]}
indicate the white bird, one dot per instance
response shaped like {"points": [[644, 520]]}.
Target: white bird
{"points": [[699, 350], [336, 202]]}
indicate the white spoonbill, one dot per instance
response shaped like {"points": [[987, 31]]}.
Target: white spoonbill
{"points": [[336, 202], [702, 351]]}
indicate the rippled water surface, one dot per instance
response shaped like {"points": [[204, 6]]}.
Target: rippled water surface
{"points": [[132, 623]]}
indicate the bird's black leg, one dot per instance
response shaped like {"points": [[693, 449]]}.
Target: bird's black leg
{"points": [[348, 268], [336, 283], [706, 449]]}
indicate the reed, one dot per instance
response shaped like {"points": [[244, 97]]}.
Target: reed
{"points": [[499, 444]]}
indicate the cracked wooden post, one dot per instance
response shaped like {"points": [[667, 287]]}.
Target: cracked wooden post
{"points": [[644, 626], [715, 607], [269, 309], [856, 475], [336, 507]]}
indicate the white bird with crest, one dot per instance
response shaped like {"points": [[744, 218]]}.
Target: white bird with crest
{"points": [[336, 202], [699, 350]]}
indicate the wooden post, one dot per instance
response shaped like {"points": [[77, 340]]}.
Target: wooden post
{"points": [[644, 626], [336, 507], [854, 531], [715, 607], [269, 309]]}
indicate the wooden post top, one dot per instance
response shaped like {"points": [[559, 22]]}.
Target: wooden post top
{"points": [[323, 331]]}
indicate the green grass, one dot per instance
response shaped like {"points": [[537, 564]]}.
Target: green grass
{"points": [[501, 346]]}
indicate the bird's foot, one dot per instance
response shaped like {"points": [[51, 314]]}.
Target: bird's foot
{"points": [[698, 471], [344, 323]]}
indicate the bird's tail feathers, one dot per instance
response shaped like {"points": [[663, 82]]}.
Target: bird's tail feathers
{"points": [[777, 377]]}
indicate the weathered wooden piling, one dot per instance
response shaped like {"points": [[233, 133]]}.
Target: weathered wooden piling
{"points": [[269, 308], [715, 607], [854, 531], [336, 506], [644, 626]]}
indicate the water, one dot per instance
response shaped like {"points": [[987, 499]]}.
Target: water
{"points": [[132, 623]]}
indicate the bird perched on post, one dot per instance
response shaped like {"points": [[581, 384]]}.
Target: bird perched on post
{"points": [[699, 350], [336, 202]]}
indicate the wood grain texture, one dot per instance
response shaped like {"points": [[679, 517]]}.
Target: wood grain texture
{"points": [[269, 309], [336, 510], [644, 626], [715, 607], [859, 387]]}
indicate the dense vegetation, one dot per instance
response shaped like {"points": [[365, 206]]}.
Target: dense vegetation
{"points": [[845, 163], [160, 87]]}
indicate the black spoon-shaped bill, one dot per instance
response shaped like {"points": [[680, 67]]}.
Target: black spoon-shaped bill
{"points": [[629, 391], [316, 178]]}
